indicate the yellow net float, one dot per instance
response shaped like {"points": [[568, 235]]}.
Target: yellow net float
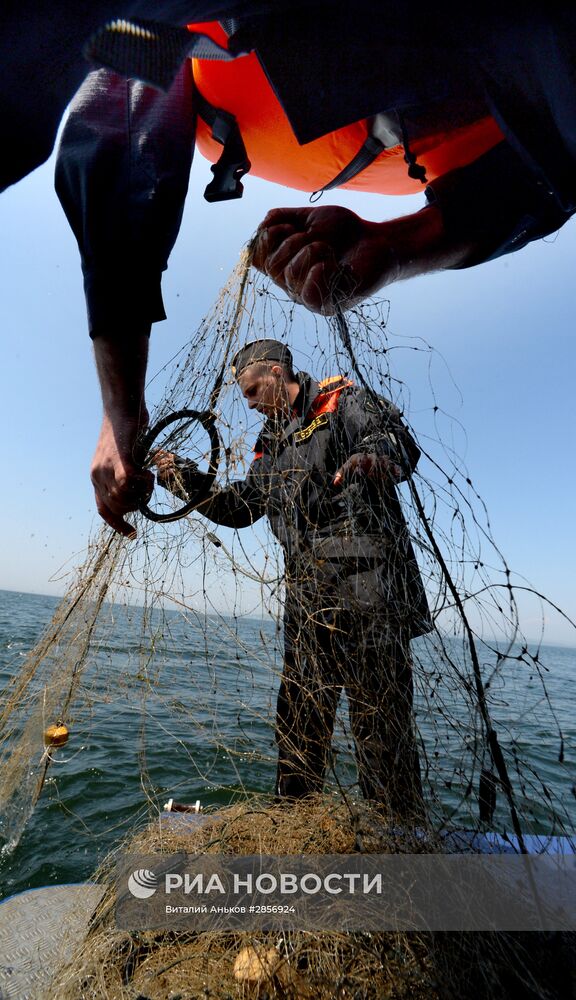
{"points": [[56, 736]]}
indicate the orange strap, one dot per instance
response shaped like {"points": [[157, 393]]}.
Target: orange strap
{"points": [[327, 400]]}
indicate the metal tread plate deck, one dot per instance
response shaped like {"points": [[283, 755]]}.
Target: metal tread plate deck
{"points": [[39, 930]]}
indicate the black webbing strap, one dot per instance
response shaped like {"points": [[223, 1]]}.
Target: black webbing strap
{"points": [[385, 132], [370, 149], [233, 162]]}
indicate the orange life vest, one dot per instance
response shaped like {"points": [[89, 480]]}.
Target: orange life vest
{"points": [[241, 88]]}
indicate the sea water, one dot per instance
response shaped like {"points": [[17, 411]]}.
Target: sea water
{"points": [[193, 718]]}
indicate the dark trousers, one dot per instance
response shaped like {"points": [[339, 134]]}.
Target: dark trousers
{"points": [[374, 669]]}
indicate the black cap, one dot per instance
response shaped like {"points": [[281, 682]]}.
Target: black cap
{"points": [[261, 350]]}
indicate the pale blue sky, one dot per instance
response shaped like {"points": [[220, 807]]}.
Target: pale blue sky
{"points": [[505, 331]]}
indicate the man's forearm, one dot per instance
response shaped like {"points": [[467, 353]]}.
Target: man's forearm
{"points": [[120, 485], [121, 365], [417, 244]]}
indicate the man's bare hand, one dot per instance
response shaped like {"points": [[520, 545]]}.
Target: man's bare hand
{"points": [[119, 484], [328, 257], [165, 462], [325, 257], [368, 464]]}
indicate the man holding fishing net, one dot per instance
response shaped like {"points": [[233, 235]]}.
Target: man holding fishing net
{"points": [[324, 472], [478, 110]]}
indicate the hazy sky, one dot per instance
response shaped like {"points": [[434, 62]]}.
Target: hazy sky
{"points": [[505, 331]]}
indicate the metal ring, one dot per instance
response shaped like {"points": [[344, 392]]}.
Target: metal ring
{"points": [[208, 422]]}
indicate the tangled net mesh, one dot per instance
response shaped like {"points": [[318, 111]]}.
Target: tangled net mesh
{"points": [[113, 963], [142, 639]]}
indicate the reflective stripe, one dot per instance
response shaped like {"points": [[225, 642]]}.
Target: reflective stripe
{"points": [[331, 380], [320, 421]]}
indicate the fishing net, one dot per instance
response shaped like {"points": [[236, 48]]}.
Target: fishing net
{"points": [[446, 719], [116, 964]]}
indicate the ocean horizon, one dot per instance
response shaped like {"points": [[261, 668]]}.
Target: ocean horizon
{"points": [[193, 719]]}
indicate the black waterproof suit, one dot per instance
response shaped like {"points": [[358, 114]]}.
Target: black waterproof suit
{"points": [[354, 596]]}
